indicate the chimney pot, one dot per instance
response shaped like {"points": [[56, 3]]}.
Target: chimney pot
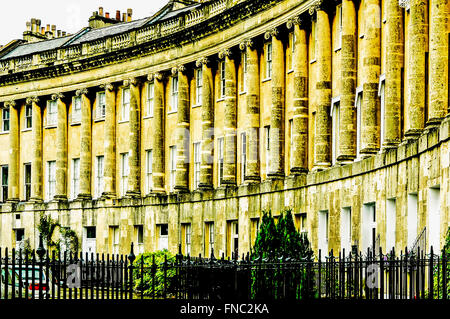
{"points": [[100, 11], [63, 33], [43, 30], [107, 15], [59, 33], [28, 26], [129, 14], [118, 15], [33, 25], [53, 27], [48, 27], [124, 16]]}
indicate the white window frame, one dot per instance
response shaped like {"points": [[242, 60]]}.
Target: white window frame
{"points": [[358, 107], [101, 105], [126, 98], [220, 159], [28, 116], [338, 42], [346, 229], [150, 99], [75, 184], [324, 230], [243, 155], [149, 171], [269, 60], [198, 86], [197, 163], [50, 188], [187, 239], [222, 79], [115, 239], [173, 166], [174, 94], [99, 175], [52, 112], [234, 232], [25, 183], [434, 218], [125, 170], [163, 240], [6, 115], [76, 109], [412, 217], [391, 213], [335, 132], [381, 94], [4, 184]]}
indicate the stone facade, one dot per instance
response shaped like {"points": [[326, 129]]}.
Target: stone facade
{"points": [[180, 129]]}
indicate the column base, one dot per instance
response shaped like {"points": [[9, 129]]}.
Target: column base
{"points": [[35, 200], [387, 145], [321, 166], [181, 189], [275, 175], [252, 179], [412, 134], [205, 187], [12, 200], [60, 198], [228, 183], [84, 197], [109, 195], [345, 159], [133, 194], [298, 170], [433, 122]]}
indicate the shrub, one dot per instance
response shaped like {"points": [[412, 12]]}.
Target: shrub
{"points": [[152, 281]]}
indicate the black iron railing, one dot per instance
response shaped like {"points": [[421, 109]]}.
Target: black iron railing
{"points": [[37, 275]]}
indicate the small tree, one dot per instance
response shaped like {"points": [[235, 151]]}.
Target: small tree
{"points": [[281, 242]]}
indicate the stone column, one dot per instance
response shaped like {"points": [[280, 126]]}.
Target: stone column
{"points": [[393, 82], [134, 179], [158, 134], [438, 79], [370, 126], [230, 147], [417, 46], [85, 149], [13, 163], [206, 166], [252, 175], [61, 146], [183, 125], [322, 147], [277, 111], [110, 141], [347, 119], [299, 151], [36, 164]]}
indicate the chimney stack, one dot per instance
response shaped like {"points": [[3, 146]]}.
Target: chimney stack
{"points": [[38, 25], [129, 14], [100, 11], [33, 25], [107, 15], [118, 15]]}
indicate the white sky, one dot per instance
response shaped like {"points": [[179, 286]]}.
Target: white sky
{"points": [[67, 15]]}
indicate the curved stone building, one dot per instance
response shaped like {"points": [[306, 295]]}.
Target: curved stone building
{"points": [[181, 128]]}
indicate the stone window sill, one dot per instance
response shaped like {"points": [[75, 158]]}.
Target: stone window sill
{"points": [[198, 105], [148, 117], [29, 129], [337, 49], [75, 123], [4, 132], [290, 71], [243, 92], [99, 119], [123, 121], [312, 61], [172, 112], [49, 126], [266, 80], [221, 99]]}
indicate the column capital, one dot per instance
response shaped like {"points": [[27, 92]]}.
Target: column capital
{"points": [[202, 61], [247, 44], [131, 81], [179, 68], [301, 21], [31, 99], [57, 96], [155, 76], [9, 104], [225, 53], [107, 86], [80, 92], [271, 33]]}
